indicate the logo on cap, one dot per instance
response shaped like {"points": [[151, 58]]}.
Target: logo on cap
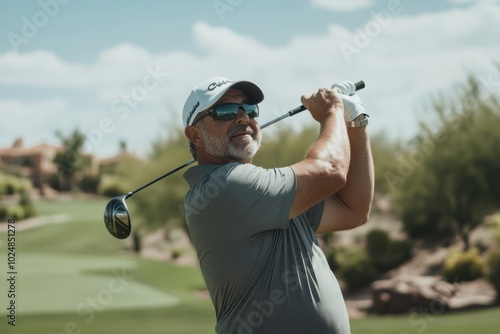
{"points": [[214, 85]]}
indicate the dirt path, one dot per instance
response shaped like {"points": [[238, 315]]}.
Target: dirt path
{"points": [[37, 221]]}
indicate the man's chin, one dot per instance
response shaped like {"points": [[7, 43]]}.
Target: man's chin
{"points": [[244, 152]]}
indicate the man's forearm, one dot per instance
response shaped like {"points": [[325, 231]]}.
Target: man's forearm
{"points": [[357, 194]]}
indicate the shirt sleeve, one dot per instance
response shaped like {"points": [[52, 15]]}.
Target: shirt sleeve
{"points": [[255, 198], [314, 215]]}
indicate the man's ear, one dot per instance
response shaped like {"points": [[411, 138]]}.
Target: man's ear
{"points": [[193, 134]]}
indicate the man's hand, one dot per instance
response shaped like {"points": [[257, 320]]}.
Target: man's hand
{"points": [[353, 107], [345, 87], [323, 103]]}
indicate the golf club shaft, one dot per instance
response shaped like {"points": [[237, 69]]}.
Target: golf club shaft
{"points": [[359, 85], [187, 163]]}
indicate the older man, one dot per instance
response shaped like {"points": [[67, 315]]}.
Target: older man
{"points": [[254, 228]]}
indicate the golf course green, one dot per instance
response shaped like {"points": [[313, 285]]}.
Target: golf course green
{"points": [[73, 277]]}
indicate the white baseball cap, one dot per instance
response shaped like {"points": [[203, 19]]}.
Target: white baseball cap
{"points": [[207, 93]]}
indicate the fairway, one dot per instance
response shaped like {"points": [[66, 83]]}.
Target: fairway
{"points": [[73, 277], [74, 272], [58, 283]]}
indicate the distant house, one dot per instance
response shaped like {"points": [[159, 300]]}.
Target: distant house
{"points": [[34, 162], [37, 162]]}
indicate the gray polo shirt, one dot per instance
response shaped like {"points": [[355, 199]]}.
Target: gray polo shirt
{"points": [[265, 272]]}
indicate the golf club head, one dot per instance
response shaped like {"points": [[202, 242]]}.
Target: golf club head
{"points": [[117, 218]]}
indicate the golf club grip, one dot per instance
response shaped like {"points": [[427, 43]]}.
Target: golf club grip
{"points": [[358, 85]]}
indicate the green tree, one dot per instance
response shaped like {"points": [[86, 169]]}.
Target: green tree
{"points": [[383, 152], [456, 183], [123, 146], [284, 146], [70, 160]]}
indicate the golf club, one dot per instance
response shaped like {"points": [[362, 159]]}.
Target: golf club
{"points": [[116, 214]]}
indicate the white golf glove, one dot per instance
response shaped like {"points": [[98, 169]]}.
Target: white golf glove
{"points": [[353, 107]]}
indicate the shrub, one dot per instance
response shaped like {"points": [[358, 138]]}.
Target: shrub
{"points": [[3, 212], [90, 183], [494, 272], [57, 183], [111, 187], [464, 266], [386, 254], [27, 205], [494, 225], [332, 261], [10, 185], [356, 269], [15, 211], [377, 241]]}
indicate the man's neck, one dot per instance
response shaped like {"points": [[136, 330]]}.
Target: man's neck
{"points": [[205, 159]]}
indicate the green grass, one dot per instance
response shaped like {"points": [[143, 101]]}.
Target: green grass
{"points": [[484, 322], [67, 283], [67, 276]]}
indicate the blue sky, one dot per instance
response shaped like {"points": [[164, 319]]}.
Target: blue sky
{"points": [[72, 63]]}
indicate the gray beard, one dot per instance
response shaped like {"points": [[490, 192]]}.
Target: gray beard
{"points": [[223, 147]]}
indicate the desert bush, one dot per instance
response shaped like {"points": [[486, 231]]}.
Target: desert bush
{"points": [[377, 241], [355, 268], [385, 253], [3, 212], [90, 183], [436, 201], [464, 266], [494, 225], [494, 270], [10, 185], [55, 181], [15, 211], [398, 252], [111, 187], [27, 204]]}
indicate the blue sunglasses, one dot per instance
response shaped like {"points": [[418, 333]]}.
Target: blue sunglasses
{"points": [[228, 112]]}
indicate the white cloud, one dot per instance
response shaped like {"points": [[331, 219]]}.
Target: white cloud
{"points": [[342, 6], [40, 68], [32, 120], [31, 111], [119, 65]]}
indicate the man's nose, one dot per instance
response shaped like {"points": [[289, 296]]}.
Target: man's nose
{"points": [[242, 117]]}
